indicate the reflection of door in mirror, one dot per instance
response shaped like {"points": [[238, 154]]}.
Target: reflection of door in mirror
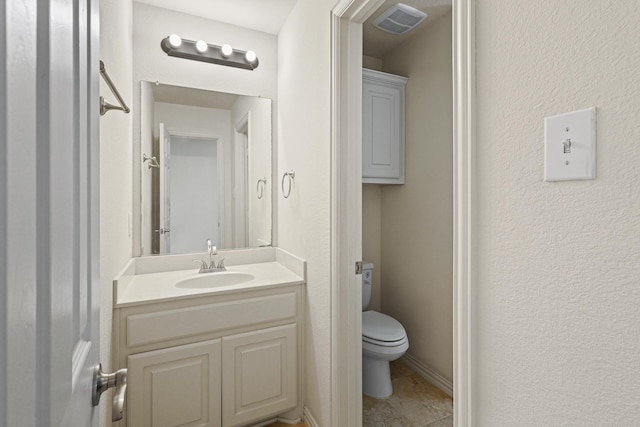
{"points": [[188, 197], [189, 192]]}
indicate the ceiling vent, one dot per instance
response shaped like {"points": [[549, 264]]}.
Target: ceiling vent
{"points": [[399, 19]]}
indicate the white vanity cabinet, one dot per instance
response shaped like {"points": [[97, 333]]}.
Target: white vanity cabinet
{"points": [[383, 118], [219, 360]]}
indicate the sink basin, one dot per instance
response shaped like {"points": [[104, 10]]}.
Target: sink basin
{"points": [[215, 280]]}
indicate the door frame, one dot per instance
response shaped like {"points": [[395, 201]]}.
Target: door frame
{"points": [[241, 202], [346, 106]]}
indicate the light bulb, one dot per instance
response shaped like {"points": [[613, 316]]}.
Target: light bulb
{"points": [[202, 46], [250, 56], [226, 50], [175, 40]]}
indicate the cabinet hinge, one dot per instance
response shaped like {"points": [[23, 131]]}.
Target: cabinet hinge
{"points": [[358, 267]]}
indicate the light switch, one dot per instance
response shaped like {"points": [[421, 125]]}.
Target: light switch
{"points": [[570, 146]]}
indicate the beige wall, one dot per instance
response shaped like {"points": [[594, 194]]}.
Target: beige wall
{"points": [[371, 217], [372, 238], [557, 304], [115, 166], [371, 63], [304, 146], [417, 234]]}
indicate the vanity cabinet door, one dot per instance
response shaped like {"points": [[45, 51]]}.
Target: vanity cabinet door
{"points": [[177, 386], [260, 374]]}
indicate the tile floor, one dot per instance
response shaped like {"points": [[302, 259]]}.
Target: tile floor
{"points": [[414, 403], [281, 424]]}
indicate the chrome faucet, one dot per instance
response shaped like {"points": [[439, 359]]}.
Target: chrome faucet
{"points": [[212, 250], [212, 267]]}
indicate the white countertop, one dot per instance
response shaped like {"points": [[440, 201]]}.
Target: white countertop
{"points": [[138, 289]]}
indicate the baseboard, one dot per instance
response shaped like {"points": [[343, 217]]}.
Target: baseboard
{"points": [[429, 374], [264, 423], [289, 421], [277, 419], [306, 415]]}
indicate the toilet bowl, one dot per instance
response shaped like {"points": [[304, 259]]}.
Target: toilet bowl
{"points": [[383, 340]]}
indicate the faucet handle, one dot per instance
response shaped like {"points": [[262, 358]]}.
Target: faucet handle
{"points": [[203, 264], [221, 263]]}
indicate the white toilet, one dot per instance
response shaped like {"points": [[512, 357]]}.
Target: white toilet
{"points": [[383, 340]]}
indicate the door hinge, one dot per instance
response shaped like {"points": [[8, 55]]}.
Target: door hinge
{"points": [[358, 267]]}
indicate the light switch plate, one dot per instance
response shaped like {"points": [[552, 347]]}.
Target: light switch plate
{"points": [[570, 146]]}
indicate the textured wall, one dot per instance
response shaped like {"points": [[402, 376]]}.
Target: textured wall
{"points": [[304, 146], [558, 289], [152, 24], [417, 228], [115, 167]]}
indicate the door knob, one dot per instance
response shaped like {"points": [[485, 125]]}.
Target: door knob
{"points": [[103, 382]]}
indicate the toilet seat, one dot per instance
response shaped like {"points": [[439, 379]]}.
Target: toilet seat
{"points": [[385, 343], [382, 330]]}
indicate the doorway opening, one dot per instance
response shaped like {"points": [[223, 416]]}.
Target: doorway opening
{"points": [[407, 216], [347, 236]]}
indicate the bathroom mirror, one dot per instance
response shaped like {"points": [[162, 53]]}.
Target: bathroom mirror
{"points": [[205, 169]]}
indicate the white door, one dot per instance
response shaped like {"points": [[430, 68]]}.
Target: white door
{"points": [[164, 230], [49, 221]]}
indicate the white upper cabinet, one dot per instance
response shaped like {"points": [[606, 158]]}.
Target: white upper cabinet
{"points": [[382, 127]]}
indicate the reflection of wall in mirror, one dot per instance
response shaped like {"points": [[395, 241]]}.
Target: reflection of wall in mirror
{"points": [[184, 119], [257, 136], [146, 147], [244, 204]]}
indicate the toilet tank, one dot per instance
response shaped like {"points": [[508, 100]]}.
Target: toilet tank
{"points": [[367, 283]]}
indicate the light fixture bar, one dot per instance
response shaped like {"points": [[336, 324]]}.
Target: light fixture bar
{"points": [[213, 54]]}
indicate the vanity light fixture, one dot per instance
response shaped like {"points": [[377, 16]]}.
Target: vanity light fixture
{"points": [[226, 50], [202, 46], [250, 57], [174, 45], [175, 40]]}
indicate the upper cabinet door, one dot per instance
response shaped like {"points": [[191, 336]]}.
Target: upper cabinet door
{"points": [[382, 128]]}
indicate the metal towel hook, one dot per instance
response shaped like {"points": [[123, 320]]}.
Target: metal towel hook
{"points": [[153, 162], [291, 175], [260, 188]]}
